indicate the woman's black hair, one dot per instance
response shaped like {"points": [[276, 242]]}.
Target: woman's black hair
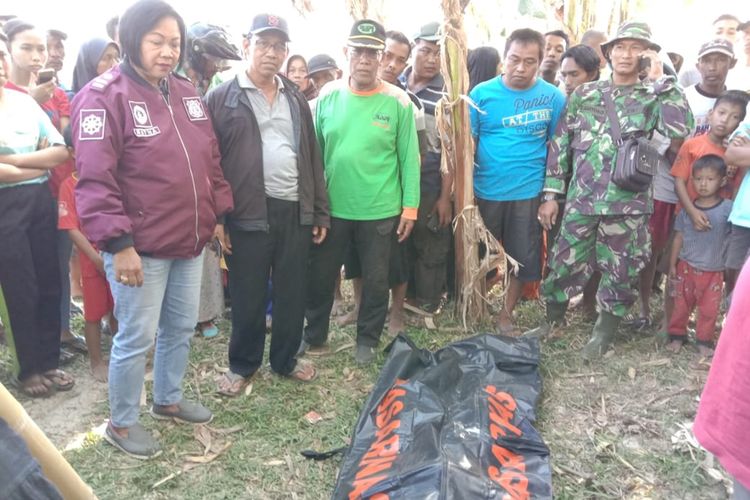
{"points": [[585, 57], [138, 20], [482, 63], [14, 27]]}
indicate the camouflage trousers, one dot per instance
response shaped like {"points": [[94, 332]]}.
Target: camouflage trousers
{"points": [[615, 245]]}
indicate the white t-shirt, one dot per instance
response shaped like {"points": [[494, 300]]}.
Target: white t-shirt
{"points": [[701, 105], [23, 124]]}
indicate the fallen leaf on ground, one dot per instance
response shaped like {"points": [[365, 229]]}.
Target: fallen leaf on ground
{"points": [[164, 480], [313, 418], [248, 389], [229, 430], [275, 463], [658, 362], [631, 373], [203, 436], [208, 458], [343, 347]]}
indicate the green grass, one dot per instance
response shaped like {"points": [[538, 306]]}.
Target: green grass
{"points": [[620, 448]]}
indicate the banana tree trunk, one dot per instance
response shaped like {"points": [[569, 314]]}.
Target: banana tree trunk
{"points": [[454, 124]]}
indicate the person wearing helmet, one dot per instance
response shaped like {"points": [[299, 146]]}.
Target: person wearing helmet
{"points": [[208, 50]]}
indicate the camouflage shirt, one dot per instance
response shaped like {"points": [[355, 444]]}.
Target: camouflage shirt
{"points": [[583, 142]]}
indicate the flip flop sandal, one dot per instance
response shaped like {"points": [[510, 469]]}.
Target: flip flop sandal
{"points": [[303, 372], [210, 332], [417, 310], [234, 384], [60, 380], [66, 356], [77, 343], [25, 387]]}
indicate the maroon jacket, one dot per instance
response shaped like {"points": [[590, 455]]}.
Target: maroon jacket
{"points": [[148, 166]]}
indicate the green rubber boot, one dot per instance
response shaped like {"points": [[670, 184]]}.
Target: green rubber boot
{"points": [[555, 317], [602, 335]]}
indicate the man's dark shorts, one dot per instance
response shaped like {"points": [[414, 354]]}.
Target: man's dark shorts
{"points": [[514, 224], [737, 247]]}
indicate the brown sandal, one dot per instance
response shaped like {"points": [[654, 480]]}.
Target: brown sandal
{"points": [[60, 380], [232, 385], [303, 372], [35, 386]]}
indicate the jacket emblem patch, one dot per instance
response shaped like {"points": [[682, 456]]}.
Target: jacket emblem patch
{"points": [[91, 124], [142, 120], [194, 108]]}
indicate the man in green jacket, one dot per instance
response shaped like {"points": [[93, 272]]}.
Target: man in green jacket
{"points": [[368, 140]]}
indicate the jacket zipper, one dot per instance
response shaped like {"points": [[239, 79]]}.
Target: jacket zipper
{"points": [[190, 169]]}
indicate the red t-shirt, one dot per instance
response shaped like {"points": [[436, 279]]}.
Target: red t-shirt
{"points": [[67, 219], [691, 150], [57, 108]]}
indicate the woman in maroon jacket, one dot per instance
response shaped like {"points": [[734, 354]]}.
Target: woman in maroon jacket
{"points": [[150, 194]]}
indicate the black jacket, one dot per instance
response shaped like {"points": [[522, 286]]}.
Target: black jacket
{"points": [[242, 157]]}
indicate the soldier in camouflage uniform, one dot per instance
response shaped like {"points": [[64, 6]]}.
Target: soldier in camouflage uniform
{"points": [[604, 227]]}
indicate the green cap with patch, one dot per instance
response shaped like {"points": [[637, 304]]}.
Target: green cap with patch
{"points": [[632, 30], [368, 34], [430, 32]]}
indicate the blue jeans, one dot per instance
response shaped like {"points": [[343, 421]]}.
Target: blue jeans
{"points": [[167, 301], [740, 492]]}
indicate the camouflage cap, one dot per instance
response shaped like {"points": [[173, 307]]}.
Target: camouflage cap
{"points": [[632, 30]]}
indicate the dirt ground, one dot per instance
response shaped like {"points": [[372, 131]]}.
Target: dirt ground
{"points": [[67, 417], [618, 428]]}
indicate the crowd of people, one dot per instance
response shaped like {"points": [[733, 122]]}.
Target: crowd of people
{"points": [[164, 173]]}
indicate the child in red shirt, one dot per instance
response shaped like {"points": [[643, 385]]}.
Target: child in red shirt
{"points": [[97, 298], [723, 120]]}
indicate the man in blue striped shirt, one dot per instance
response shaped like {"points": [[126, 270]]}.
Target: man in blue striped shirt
{"points": [[431, 238]]}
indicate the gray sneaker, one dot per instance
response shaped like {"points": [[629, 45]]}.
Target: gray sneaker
{"points": [[139, 443], [364, 354], [188, 413]]}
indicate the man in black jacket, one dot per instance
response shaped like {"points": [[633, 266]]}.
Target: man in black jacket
{"points": [[271, 159]]}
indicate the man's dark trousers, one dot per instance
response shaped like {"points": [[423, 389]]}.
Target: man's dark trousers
{"points": [[428, 256], [281, 253], [372, 239]]}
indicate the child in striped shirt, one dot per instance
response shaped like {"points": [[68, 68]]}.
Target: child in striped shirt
{"points": [[697, 258]]}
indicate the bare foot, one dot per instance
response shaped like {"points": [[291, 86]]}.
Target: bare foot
{"points": [[704, 351], [349, 318], [339, 307], [506, 326], [100, 371], [674, 346]]}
